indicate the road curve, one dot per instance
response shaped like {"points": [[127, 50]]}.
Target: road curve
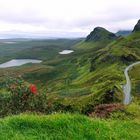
{"points": [[127, 86]]}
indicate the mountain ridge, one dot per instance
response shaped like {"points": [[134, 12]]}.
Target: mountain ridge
{"points": [[99, 34]]}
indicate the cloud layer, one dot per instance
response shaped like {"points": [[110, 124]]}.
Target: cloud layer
{"points": [[66, 17]]}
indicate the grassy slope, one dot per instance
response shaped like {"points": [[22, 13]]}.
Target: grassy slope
{"points": [[67, 127], [135, 78], [108, 63], [97, 79]]}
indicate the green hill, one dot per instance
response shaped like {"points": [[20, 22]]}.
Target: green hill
{"points": [[99, 34]]}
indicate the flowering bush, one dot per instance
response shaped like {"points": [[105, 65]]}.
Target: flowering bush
{"points": [[21, 92], [18, 96]]}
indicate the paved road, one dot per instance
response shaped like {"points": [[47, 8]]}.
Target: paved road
{"points": [[127, 86]]}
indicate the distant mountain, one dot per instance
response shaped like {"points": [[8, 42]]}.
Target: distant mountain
{"points": [[40, 35], [137, 26], [123, 32], [100, 34]]}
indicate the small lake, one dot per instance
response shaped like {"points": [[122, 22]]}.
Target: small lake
{"points": [[8, 42], [66, 52], [18, 62]]}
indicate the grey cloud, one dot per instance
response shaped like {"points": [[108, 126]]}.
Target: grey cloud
{"points": [[114, 15]]}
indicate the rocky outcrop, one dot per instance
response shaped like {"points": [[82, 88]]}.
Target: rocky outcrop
{"points": [[99, 34], [137, 26]]}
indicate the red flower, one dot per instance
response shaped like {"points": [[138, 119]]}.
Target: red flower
{"points": [[32, 88]]}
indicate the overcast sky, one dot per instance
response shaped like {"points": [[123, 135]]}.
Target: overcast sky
{"points": [[66, 18]]}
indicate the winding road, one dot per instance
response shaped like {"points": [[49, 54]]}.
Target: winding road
{"points": [[127, 86]]}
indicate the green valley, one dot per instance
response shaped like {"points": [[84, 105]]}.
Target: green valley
{"points": [[88, 81]]}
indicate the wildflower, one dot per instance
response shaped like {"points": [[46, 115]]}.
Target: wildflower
{"points": [[32, 88]]}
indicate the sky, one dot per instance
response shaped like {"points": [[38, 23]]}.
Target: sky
{"points": [[65, 18]]}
